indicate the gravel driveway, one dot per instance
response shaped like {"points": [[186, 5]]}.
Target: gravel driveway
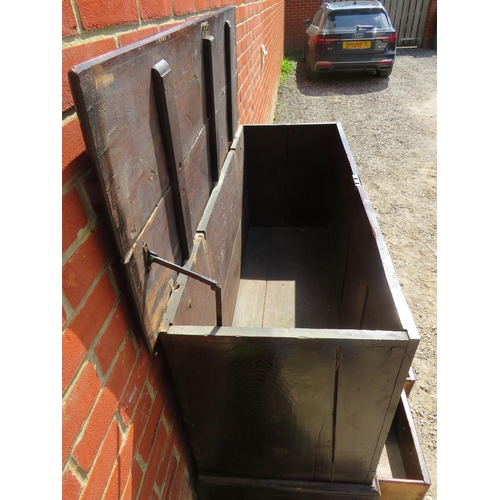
{"points": [[391, 128]]}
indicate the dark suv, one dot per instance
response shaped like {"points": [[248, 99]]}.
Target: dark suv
{"points": [[350, 35]]}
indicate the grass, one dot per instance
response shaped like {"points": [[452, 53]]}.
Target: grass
{"points": [[288, 65], [286, 68]]}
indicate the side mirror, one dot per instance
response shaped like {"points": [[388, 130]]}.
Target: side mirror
{"points": [[307, 23]]}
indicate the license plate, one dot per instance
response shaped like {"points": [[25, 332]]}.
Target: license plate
{"points": [[357, 45]]}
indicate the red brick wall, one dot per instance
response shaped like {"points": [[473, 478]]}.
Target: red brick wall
{"points": [[296, 11], [123, 436]]}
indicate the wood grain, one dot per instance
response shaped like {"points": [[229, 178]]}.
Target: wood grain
{"points": [[229, 488], [144, 119], [262, 399]]}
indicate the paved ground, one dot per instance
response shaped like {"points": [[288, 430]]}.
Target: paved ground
{"points": [[391, 128]]}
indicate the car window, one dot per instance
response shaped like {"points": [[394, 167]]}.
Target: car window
{"points": [[349, 19], [317, 17]]}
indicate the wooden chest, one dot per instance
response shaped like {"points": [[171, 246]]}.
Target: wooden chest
{"points": [[253, 254]]}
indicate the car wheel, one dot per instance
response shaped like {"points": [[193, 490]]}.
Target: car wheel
{"points": [[384, 73]]}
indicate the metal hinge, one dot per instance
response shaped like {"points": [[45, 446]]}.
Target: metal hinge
{"points": [[205, 27]]}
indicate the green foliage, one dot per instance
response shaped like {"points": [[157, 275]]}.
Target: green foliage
{"points": [[289, 63], [286, 68]]}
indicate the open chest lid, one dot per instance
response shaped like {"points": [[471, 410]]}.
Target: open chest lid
{"points": [[158, 118]]}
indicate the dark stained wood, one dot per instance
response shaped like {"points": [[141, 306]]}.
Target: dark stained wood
{"points": [[191, 302], [211, 99], [354, 289], [145, 144], [249, 310], [198, 177], [167, 112], [221, 227], [231, 79], [152, 290], [360, 420], [287, 280], [265, 181], [230, 488], [262, 399]]}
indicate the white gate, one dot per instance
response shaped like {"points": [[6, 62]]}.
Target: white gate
{"points": [[409, 18]]}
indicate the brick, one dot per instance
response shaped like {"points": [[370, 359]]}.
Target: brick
{"points": [[96, 14], [155, 9], [157, 371], [127, 494], [70, 486], [97, 424], [68, 19], [170, 482], [81, 332], [85, 264], [130, 396], [165, 461], [153, 465], [117, 484], [135, 480], [104, 463], [77, 54], [64, 316], [182, 7], [179, 480], [202, 5], [104, 408], [122, 369], [141, 416], [77, 406], [74, 218], [148, 438], [135, 36], [113, 336]]}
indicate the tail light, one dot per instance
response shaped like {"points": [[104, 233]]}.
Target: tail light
{"points": [[392, 38], [324, 39]]}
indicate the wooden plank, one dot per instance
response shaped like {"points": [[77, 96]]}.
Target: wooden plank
{"points": [[404, 475], [300, 290], [198, 177], [249, 310], [265, 164], [133, 144], [167, 112], [211, 100], [220, 226], [411, 451], [262, 399], [232, 280], [265, 407], [231, 78], [309, 175], [114, 98], [354, 290], [191, 302], [229, 488], [152, 289], [360, 420]]}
